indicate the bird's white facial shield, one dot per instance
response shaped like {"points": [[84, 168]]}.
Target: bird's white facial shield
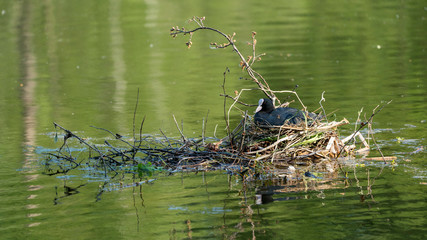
{"points": [[260, 102]]}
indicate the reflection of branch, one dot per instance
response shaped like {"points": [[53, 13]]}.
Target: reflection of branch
{"points": [[371, 182], [68, 191]]}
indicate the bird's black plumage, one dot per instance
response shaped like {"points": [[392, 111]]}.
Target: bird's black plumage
{"points": [[267, 114]]}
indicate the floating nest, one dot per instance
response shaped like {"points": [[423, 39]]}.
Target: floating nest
{"points": [[249, 146], [316, 145]]}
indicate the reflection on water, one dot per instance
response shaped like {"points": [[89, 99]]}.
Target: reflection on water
{"points": [[119, 66], [29, 85], [80, 63]]}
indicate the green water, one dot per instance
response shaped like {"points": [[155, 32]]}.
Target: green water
{"points": [[81, 63]]}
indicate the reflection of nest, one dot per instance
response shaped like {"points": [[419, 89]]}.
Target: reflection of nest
{"points": [[289, 187]]}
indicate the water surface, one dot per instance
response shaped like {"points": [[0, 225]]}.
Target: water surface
{"points": [[81, 63]]}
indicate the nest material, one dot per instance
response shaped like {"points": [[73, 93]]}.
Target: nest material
{"points": [[248, 148], [296, 145]]}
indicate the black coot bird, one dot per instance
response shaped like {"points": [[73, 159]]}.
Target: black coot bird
{"points": [[267, 114]]}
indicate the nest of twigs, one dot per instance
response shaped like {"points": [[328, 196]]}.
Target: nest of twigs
{"points": [[316, 145], [289, 145]]}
